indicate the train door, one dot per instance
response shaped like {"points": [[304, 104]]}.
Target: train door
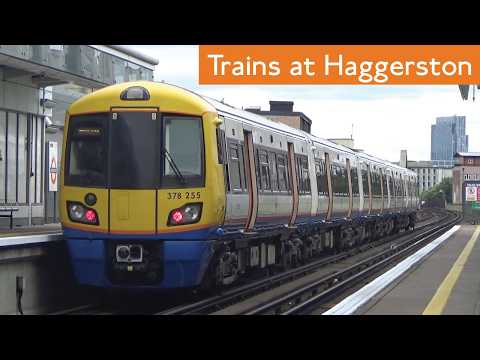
{"points": [[304, 210], [366, 189], [284, 199], [350, 192], [393, 193], [361, 189], [328, 169], [370, 194], [251, 180], [293, 182], [237, 202], [354, 174], [312, 172], [382, 190], [404, 192], [388, 182], [134, 170], [321, 186], [266, 209]]}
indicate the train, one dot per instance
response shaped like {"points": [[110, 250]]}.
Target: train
{"points": [[162, 188]]}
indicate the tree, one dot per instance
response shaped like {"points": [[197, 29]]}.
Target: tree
{"points": [[443, 189]]}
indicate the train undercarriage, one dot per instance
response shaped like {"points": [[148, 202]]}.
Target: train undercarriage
{"points": [[294, 246]]}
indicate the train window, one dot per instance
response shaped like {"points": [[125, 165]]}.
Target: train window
{"points": [[86, 151], [366, 191], [373, 180], [221, 146], [402, 186], [283, 184], [354, 179], [395, 186], [264, 170], [375, 177], [303, 175], [385, 184], [241, 151], [183, 142], [380, 185], [299, 176], [306, 176], [133, 136], [339, 180], [235, 166], [322, 185], [273, 171]]}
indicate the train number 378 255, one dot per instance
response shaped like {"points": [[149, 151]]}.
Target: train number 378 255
{"points": [[187, 195]]}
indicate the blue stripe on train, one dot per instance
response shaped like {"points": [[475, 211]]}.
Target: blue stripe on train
{"points": [[184, 261]]}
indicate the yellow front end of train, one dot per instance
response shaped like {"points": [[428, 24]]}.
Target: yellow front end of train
{"points": [[142, 193]]}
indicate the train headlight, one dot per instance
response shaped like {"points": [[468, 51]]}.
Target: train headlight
{"points": [[187, 214], [77, 212]]}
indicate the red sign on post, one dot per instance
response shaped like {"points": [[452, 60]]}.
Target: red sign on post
{"points": [[52, 166]]}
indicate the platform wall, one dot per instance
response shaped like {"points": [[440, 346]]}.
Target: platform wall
{"points": [[48, 279]]}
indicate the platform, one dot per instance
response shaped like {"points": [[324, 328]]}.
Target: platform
{"points": [[446, 282], [31, 230]]}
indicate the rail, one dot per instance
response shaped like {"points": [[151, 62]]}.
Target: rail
{"points": [[313, 295], [240, 293]]}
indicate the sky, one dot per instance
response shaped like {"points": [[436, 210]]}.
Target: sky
{"points": [[385, 118]]}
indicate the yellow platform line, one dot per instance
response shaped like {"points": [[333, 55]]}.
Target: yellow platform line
{"points": [[439, 300]]}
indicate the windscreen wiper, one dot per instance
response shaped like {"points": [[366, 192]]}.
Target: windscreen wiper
{"points": [[174, 166]]}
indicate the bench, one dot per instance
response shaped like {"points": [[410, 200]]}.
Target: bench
{"points": [[9, 209]]}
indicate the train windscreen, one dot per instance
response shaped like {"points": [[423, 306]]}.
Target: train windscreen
{"points": [[144, 154], [133, 140], [183, 148], [86, 151]]}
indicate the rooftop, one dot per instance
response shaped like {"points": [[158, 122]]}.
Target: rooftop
{"points": [[280, 108], [465, 154]]}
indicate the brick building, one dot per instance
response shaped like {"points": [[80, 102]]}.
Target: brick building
{"points": [[467, 168], [282, 111]]}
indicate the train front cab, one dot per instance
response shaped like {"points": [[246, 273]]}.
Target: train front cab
{"points": [[141, 193]]}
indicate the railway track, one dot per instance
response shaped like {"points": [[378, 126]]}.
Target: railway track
{"points": [[241, 293], [311, 297]]}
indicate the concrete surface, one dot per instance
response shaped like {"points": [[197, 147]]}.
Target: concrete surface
{"points": [[412, 295]]}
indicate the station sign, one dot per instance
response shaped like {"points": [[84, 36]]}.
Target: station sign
{"points": [[52, 166], [471, 193]]}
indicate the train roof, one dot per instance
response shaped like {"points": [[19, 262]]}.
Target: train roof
{"points": [[204, 103], [253, 118], [262, 121]]}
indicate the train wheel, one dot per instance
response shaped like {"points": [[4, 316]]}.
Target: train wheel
{"points": [[210, 283]]}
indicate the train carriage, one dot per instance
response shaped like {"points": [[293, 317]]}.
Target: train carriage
{"points": [[163, 188]]}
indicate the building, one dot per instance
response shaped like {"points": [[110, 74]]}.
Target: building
{"points": [[282, 111], [429, 174], [467, 168], [37, 84], [447, 138]]}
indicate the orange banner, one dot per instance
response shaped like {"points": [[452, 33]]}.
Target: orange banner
{"points": [[339, 64]]}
